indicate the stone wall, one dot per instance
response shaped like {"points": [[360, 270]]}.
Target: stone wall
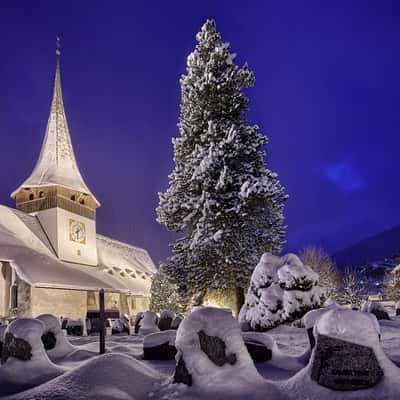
{"points": [[59, 302], [5, 282]]}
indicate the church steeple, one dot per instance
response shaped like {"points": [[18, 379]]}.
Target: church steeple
{"points": [[57, 165], [57, 194]]}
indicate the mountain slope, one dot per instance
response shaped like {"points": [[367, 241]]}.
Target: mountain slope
{"points": [[377, 247]]}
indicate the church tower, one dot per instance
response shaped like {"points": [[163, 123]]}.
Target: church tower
{"points": [[57, 194]]}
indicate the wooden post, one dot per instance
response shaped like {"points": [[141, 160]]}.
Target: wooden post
{"points": [[102, 323]]}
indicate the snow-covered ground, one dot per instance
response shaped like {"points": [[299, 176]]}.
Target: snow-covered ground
{"points": [[123, 374]]}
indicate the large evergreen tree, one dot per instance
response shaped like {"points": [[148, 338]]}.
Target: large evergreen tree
{"points": [[228, 206]]}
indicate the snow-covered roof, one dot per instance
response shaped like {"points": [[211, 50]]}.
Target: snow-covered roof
{"points": [[23, 243], [57, 164]]}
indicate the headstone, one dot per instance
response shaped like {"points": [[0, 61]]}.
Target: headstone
{"points": [[380, 313], [182, 375], [160, 346], [214, 347], [258, 351], [342, 365], [163, 351], [15, 347], [120, 325], [138, 318], [176, 322], [49, 340], [74, 327], [165, 321]]}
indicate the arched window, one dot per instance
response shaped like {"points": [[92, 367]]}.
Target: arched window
{"points": [[73, 198], [41, 194], [31, 196], [82, 201], [14, 297]]}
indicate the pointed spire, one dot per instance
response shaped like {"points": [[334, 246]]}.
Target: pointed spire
{"points": [[57, 164]]}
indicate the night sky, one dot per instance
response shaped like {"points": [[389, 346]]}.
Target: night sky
{"points": [[327, 94]]}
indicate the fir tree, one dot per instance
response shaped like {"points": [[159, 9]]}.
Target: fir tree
{"points": [[228, 206], [164, 295]]}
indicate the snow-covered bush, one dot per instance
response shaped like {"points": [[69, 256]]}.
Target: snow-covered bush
{"points": [[282, 289], [148, 324], [62, 346]]}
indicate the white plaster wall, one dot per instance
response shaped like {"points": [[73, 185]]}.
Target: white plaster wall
{"points": [[48, 220], [72, 251]]}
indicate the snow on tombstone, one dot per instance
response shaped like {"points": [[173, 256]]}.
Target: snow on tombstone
{"points": [[166, 318], [24, 359], [54, 340], [160, 346], [376, 308], [75, 327], [348, 355], [177, 321], [281, 289], [120, 325], [2, 331], [211, 351], [138, 318], [310, 319], [148, 324], [260, 346]]}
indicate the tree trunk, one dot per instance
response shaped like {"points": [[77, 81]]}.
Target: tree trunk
{"points": [[239, 297]]}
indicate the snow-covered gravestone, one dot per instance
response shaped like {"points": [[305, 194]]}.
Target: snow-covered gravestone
{"points": [[54, 340], [2, 331], [310, 319], [166, 318], [281, 289], [347, 351], [24, 359], [260, 346], [138, 318], [159, 346], [120, 325], [148, 324], [211, 351], [375, 308], [177, 321]]}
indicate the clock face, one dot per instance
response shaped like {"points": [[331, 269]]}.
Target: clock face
{"points": [[77, 231]]}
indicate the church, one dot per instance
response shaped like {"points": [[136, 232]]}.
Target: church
{"points": [[52, 260]]}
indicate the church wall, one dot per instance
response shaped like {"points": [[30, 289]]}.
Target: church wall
{"points": [[70, 250], [5, 283], [48, 220], [59, 302], [24, 299]]}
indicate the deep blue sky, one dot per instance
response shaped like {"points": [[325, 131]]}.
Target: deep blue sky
{"points": [[327, 94]]}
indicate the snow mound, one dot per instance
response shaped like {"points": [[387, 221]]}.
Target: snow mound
{"points": [[281, 289], [148, 324], [159, 338], [106, 377], [217, 323], [17, 374], [62, 345]]}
